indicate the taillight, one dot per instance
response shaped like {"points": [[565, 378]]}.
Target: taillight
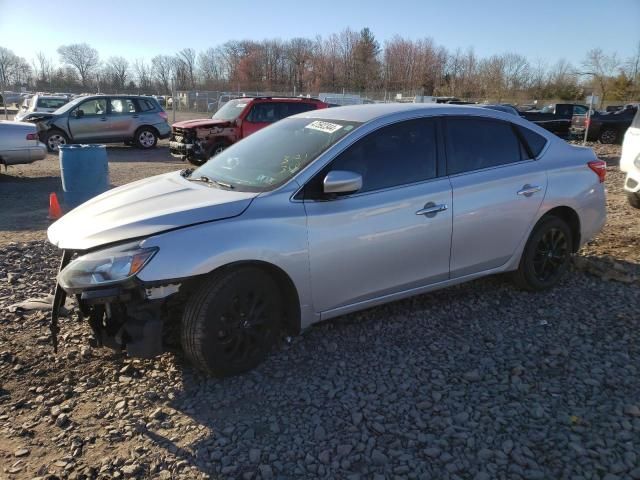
{"points": [[587, 122], [164, 115], [600, 168], [32, 136]]}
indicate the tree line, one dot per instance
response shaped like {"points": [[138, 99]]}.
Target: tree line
{"points": [[346, 61]]}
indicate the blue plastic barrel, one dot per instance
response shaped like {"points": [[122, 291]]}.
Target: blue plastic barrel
{"points": [[85, 172]]}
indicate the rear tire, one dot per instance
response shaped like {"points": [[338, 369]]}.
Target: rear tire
{"points": [[546, 256], [231, 322], [145, 138], [634, 199], [608, 136]]}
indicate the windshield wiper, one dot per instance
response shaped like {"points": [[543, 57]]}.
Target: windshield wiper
{"points": [[209, 181]]}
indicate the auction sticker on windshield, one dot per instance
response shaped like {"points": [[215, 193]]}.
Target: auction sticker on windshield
{"points": [[326, 127]]}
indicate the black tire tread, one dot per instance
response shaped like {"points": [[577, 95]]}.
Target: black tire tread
{"points": [[193, 336], [633, 199], [519, 277]]}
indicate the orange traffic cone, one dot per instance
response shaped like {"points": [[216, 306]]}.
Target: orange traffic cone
{"points": [[55, 212]]}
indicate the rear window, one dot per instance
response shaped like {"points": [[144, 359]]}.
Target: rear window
{"points": [[535, 141], [146, 105], [51, 102]]}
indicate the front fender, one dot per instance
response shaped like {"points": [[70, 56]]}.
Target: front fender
{"points": [[260, 234]]}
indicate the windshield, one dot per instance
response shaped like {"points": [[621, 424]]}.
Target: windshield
{"points": [[273, 155], [231, 110]]}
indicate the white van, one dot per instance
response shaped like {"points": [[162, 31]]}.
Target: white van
{"points": [[630, 161]]}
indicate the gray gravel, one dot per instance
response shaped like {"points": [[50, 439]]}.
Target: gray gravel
{"points": [[476, 381], [479, 381]]}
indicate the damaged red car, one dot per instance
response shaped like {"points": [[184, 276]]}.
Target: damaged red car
{"points": [[198, 140]]}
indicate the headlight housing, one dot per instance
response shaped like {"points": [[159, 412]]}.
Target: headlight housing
{"points": [[636, 162], [105, 267]]}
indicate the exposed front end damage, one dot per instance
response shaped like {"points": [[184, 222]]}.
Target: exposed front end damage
{"points": [[131, 316], [199, 143]]}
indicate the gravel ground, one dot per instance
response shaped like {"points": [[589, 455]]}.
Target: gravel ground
{"points": [[478, 381]]}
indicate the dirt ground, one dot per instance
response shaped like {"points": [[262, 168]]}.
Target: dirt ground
{"points": [[25, 189], [467, 382]]}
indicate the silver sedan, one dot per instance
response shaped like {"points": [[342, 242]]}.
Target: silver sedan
{"points": [[322, 214], [19, 143]]}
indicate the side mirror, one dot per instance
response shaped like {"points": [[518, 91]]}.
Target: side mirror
{"points": [[79, 113], [342, 181], [24, 107]]}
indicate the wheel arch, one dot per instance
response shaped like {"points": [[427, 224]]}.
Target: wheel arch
{"points": [[571, 218], [292, 322], [150, 127]]}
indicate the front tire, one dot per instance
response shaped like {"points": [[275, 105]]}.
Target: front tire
{"points": [[146, 138], [633, 199], [546, 256], [231, 322], [608, 136], [54, 138]]}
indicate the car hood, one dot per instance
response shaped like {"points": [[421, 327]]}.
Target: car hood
{"points": [[143, 208], [202, 122]]}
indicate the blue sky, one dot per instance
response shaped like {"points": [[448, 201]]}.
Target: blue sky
{"points": [[541, 30]]}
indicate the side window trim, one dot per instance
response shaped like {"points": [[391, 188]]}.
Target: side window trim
{"points": [[523, 142]]}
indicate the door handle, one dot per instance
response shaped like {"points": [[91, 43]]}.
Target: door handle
{"points": [[430, 210], [103, 119], [135, 116], [528, 190]]}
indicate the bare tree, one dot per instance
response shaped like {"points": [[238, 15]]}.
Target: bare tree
{"points": [[82, 57], [186, 64], [142, 74], [8, 65], [117, 69], [210, 67], [43, 69], [162, 67], [601, 67]]}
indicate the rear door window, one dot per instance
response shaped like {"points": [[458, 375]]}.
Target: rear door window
{"points": [[121, 106], [267, 112], [478, 143], [292, 108]]}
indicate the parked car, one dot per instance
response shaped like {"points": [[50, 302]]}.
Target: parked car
{"points": [[605, 127], [19, 143], [39, 104], [502, 108], [630, 161], [104, 119], [556, 117], [321, 214], [199, 140]]}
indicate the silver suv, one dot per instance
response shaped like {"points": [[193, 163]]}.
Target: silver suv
{"points": [[104, 119], [321, 214]]}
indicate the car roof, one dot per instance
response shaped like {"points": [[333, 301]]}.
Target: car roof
{"points": [[369, 112]]}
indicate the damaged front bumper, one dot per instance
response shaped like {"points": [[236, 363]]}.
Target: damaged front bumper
{"points": [[126, 317]]}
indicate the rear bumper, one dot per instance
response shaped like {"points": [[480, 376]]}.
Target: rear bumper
{"points": [[164, 130], [24, 155]]}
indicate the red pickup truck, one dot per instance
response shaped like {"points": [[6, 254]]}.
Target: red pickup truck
{"points": [[199, 140]]}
